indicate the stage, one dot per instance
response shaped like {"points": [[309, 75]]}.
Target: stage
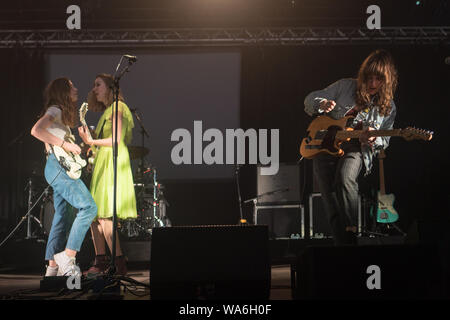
{"points": [[231, 107], [25, 286], [300, 269]]}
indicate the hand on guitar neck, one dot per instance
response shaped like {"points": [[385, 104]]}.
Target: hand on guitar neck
{"points": [[85, 135], [365, 138], [84, 131]]}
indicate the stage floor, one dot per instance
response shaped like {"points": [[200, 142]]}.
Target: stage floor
{"points": [[23, 285]]}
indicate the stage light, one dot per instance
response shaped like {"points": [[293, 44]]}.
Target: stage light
{"points": [[418, 3]]}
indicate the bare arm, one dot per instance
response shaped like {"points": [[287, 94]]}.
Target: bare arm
{"points": [[107, 142], [39, 131]]}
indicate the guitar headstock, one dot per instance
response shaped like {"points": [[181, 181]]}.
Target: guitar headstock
{"points": [[410, 133], [83, 111]]}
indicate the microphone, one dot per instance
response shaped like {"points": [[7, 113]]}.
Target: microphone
{"points": [[130, 58], [447, 60]]}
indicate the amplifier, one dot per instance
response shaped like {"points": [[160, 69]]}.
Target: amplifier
{"points": [[283, 220], [283, 187]]}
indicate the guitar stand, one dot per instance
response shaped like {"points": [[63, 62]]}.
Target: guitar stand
{"points": [[396, 228], [372, 234]]}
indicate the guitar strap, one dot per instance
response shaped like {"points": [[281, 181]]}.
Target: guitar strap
{"points": [[101, 130]]}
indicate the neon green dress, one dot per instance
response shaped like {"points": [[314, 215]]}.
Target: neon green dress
{"points": [[102, 182]]}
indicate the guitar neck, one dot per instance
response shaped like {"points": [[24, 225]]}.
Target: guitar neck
{"points": [[83, 122], [373, 133]]}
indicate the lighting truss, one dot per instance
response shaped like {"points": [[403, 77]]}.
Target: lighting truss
{"points": [[222, 37]]}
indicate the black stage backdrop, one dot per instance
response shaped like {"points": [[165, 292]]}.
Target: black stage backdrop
{"points": [[22, 83], [274, 82]]}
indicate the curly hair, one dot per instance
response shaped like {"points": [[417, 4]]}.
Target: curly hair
{"points": [[381, 64], [57, 93], [98, 106]]}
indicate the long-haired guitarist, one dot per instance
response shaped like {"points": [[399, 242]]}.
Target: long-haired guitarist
{"points": [[369, 98], [53, 128]]}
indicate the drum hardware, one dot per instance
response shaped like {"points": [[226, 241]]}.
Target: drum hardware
{"points": [[31, 217], [131, 228], [137, 152], [149, 194], [28, 216], [47, 199], [151, 205]]}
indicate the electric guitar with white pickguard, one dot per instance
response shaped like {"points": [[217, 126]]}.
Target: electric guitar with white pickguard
{"points": [[385, 202], [83, 110], [71, 163], [325, 135]]}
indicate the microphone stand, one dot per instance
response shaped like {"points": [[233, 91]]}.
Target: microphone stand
{"points": [[255, 201], [144, 133], [116, 87], [241, 220]]}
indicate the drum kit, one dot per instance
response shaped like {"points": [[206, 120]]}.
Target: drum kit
{"points": [[150, 201]]}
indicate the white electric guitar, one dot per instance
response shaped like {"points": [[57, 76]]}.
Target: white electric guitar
{"points": [[83, 110], [71, 163]]}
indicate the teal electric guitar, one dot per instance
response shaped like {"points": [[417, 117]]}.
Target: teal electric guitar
{"points": [[385, 206]]}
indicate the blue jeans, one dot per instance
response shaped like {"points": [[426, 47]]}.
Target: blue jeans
{"points": [[67, 191]]}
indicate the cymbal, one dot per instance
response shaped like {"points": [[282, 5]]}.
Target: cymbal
{"points": [[137, 152]]}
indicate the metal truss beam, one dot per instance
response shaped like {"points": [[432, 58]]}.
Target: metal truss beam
{"points": [[222, 37]]}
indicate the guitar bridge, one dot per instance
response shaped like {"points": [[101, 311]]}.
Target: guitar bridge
{"points": [[62, 161]]}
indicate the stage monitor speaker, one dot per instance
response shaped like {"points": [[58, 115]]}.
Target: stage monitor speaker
{"points": [[210, 262], [368, 272], [282, 188]]}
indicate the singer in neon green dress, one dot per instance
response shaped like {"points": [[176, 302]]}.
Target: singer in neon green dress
{"points": [[100, 98], [102, 182]]}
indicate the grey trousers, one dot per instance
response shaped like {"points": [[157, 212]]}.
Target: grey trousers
{"points": [[337, 181]]}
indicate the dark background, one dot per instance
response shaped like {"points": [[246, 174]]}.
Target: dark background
{"points": [[274, 83]]}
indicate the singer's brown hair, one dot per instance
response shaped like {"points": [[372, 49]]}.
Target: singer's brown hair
{"points": [[98, 106]]}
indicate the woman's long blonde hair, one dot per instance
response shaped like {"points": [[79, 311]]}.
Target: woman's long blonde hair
{"points": [[57, 93], [98, 106], [380, 64]]}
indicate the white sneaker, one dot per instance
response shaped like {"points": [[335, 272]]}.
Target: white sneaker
{"points": [[51, 271], [67, 265]]}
